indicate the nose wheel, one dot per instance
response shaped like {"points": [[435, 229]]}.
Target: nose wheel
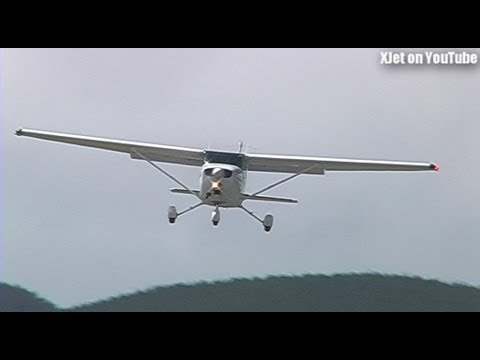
{"points": [[216, 216]]}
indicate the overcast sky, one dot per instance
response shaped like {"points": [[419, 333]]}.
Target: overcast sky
{"points": [[81, 224]]}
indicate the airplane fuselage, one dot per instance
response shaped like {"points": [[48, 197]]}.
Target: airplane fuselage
{"points": [[223, 178]]}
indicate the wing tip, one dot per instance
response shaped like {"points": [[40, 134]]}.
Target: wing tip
{"points": [[435, 167]]}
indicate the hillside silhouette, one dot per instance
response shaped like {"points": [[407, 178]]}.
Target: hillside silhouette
{"points": [[15, 298], [346, 292]]}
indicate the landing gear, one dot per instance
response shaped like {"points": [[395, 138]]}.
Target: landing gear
{"points": [[172, 214], [268, 222], [216, 216]]}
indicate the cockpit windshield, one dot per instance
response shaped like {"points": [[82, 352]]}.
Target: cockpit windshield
{"points": [[225, 158]]}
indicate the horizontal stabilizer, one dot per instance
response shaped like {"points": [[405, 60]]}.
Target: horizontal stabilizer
{"points": [[183, 191], [269, 198]]}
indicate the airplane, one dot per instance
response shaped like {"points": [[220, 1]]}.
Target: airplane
{"points": [[224, 174]]}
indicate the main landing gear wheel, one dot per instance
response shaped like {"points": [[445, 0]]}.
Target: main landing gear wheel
{"points": [[172, 214], [268, 222], [216, 216]]}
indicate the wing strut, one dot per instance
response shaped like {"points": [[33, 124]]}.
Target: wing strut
{"points": [[168, 175], [251, 213], [191, 208], [284, 180]]}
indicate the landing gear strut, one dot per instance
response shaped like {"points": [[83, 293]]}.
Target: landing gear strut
{"points": [[216, 216], [267, 222], [172, 212]]}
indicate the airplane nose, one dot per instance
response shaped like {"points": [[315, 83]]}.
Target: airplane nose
{"points": [[216, 187]]}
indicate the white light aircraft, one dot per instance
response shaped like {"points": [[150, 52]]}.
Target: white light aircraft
{"points": [[223, 174]]}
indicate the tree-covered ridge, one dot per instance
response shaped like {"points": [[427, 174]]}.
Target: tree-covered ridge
{"points": [[346, 292], [17, 299]]}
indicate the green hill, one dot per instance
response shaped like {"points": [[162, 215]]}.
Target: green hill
{"points": [[348, 292]]}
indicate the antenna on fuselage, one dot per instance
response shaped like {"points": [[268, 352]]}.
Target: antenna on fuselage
{"points": [[240, 146]]}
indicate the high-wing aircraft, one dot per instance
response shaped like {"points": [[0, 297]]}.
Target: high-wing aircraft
{"points": [[223, 174]]}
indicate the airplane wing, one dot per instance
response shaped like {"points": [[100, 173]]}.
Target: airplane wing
{"points": [[318, 165], [154, 152], [255, 162]]}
